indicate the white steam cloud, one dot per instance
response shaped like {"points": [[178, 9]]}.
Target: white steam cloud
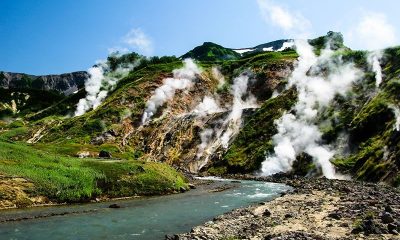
{"points": [[396, 112], [100, 82], [234, 120], [373, 32], [285, 45], [297, 133], [292, 23], [218, 75], [374, 61], [207, 106], [212, 139], [205, 137], [182, 79], [93, 86]]}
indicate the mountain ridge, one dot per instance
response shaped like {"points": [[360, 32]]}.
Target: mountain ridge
{"points": [[196, 130]]}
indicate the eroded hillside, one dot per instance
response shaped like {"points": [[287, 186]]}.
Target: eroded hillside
{"points": [[224, 118]]}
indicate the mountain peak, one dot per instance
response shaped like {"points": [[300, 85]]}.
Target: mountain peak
{"points": [[210, 51]]}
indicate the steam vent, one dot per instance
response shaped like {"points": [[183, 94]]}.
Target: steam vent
{"points": [[297, 137]]}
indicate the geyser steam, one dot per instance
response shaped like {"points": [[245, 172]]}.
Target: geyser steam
{"points": [[183, 79], [298, 133], [212, 139], [374, 60], [100, 82], [234, 120], [93, 86], [396, 112]]}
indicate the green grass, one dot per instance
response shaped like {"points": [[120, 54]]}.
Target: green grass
{"points": [[69, 179]]}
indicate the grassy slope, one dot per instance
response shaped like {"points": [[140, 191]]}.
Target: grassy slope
{"points": [[356, 115], [211, 52], [68, 179]]}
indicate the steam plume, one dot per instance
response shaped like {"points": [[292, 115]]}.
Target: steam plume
{"points": [[298, 133], [212, 139], [207, 106], [396, 112], [183, 79], [218, 75], [100, 82], [93, 88], [234, 120], [374, 61]]}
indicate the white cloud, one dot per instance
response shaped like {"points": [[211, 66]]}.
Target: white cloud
{"points": [[135, 40], [291, 23], [372, 32], [138, 40]]}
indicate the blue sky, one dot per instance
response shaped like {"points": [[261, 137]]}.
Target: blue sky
{"points": [[47, 36]]}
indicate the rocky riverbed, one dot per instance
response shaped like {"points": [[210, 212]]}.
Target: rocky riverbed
{"points": [[315, 209]]}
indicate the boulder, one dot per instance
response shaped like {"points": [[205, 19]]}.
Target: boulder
{"points": [[392, 227], [114, 205], [335, 215], [267, 213], [104, 154], [387, 218], [388, 209]]}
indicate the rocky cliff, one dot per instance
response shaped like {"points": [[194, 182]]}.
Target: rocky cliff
{"points": [[66, 83]]}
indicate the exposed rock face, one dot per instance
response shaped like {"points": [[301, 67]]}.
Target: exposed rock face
{"points": [[66, 83]]}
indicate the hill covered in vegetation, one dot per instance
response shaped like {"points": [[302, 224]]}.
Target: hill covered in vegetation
{"points": [[220, 113]]}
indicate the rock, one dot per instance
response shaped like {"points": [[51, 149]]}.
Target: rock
{"points": [[387, 218], [392, 227], [388, 209], [357, 230], [266, 213], [369, 226], [191, 186], [182, 189], [344, 225], [171, 237], [335, 215], [104, 137], [104, 154], [288, 215], [83, 154], [66, 83], [114, 205]]}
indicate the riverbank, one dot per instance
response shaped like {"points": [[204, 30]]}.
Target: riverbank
{"points": [[61, 209], [315, 209], [142, 218]]}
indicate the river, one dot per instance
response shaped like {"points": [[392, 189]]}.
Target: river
{"points": [[143, 218]]}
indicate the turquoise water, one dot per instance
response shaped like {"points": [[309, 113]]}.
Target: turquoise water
{"points": [[146, 218]]}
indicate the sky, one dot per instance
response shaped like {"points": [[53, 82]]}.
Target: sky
{"points": [[52, 37]]}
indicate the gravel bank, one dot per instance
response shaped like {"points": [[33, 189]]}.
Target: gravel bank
{"points": [[315, 209]]}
